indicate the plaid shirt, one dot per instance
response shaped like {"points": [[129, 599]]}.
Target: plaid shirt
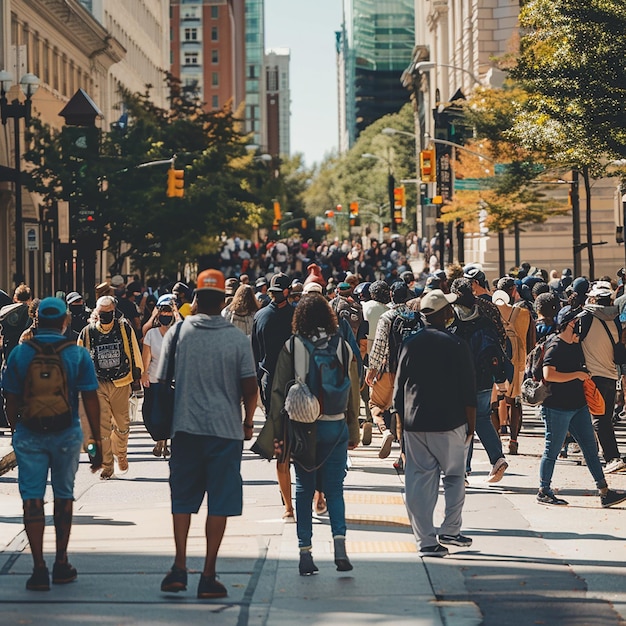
{"points": [[379, 354]]}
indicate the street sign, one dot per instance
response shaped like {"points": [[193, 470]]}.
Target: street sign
{"points": [[471, 184], [32, 239]]}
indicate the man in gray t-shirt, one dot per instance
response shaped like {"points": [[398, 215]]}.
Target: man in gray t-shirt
{"points": [[215, 372]]}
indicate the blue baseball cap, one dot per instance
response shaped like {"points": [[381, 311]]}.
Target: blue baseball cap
{"points": [[166, 298], [51, 309]]}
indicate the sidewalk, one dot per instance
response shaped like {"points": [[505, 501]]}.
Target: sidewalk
{"points": [[529, 563]]}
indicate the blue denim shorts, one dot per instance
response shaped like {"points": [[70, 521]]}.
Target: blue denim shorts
{"points": [[202, 464], [36, 453]]}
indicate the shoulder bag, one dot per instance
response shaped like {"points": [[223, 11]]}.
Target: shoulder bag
{"points": [[159, 422]]}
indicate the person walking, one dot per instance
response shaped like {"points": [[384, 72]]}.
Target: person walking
{"points": [[337, 429], [242, 309], [566, 409], [215, 373], [489, 366], [270, 330], [436, 400], [600, 330], [382, 367], [113, 347], [51, 442], [150, 353]]}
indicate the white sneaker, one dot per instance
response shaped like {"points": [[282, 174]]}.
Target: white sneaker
{"points": [[385, 446], [614, 465], [497, 471]]}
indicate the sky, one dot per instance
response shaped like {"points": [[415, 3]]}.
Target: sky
{"points": [[308, 29]]}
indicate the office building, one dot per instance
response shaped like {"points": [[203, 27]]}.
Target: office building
{"points": [[374, 47], [278, 101]]}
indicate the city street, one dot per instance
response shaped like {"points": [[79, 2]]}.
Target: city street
{"points": [[529, 564]]}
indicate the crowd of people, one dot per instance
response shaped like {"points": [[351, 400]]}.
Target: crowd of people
{"points": [[338, 340]]}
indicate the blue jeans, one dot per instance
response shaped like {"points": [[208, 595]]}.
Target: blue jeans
{"points": [[578, 423], [332, 449], [485, 430], [36, 453]]}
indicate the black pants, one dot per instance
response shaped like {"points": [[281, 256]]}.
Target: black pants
{"points": [[603, 424]]}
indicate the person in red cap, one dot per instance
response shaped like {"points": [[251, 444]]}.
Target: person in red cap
{"points": [[315, 275], [207, 431]]}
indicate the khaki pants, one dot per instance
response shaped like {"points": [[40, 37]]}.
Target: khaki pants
{"points": [[381, 397], [114, 421]]}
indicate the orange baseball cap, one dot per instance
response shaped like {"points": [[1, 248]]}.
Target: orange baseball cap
{"points": [[211, 280]]}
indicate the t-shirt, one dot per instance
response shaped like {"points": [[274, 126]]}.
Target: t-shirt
{"points": [[431, 394], [154, 339], [79, 369], [211, 359], [565, 357], [184, 309]]}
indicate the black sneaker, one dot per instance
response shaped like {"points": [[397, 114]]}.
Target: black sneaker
{"points": [[210, 587], [39, 581], [175, 581], [307, 567], [611, 498], [548, 497], [436, 550], [456, 540], [63, 573]]}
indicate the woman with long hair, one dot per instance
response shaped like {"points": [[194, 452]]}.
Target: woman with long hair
{"points": [[241, 310], [315, 327]]}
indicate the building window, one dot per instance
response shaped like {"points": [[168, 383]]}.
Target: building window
{"points": [[215, 12], [214, 35], [191, 34], [215, 102], [215, 79], [215, 56], [191, 58]]}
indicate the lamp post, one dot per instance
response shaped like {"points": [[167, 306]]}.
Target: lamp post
{"points": [[391, 183], [16, 110]]}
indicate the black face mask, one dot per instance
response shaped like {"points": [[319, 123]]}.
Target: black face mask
{"points": [[77, 308], [165, 320], [106, 317]]}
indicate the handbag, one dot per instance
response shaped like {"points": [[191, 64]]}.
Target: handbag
{"points": [[594, 398], [159, 422], [534, 392], [301, 405]]}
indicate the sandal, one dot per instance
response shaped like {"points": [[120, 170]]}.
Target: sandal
{"points": [[158, 449]]}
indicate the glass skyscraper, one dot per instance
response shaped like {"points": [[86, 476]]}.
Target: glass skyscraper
{"points": [[255, 75], [374, 47]]}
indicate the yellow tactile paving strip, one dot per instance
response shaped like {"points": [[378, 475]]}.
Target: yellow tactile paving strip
{"points": [[369, 498], [380, 547], [378, 520]]}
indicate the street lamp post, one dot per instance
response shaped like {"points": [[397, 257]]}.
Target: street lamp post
{"points": [[17, 110]]}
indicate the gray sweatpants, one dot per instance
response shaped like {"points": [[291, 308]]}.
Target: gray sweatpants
{"points": [[427, 456]]}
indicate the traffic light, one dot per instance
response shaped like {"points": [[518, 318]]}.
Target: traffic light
{"points": [[428, 170], [175, 183], [277, 212], [354, 214], [399, 204]]}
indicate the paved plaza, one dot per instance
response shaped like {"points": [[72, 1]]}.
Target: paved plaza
{"points": [[529, 564]]}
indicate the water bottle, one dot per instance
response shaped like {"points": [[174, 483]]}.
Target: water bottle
{"points": [[91, 448]]}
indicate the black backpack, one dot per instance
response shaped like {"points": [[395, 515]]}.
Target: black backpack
{"points": [[405, 325]]}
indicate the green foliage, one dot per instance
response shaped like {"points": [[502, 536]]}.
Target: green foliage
{"points": [[350, 177], [571, 63], [224, 184]]}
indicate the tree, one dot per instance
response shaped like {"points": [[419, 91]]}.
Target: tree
{"points": [[571, 63], [341, 179], [160, 234]]}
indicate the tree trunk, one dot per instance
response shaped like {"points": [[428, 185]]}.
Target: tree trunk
{"points": [[592, 269]]}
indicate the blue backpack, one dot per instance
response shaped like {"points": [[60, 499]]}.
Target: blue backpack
{"points": [[328, 377]]}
